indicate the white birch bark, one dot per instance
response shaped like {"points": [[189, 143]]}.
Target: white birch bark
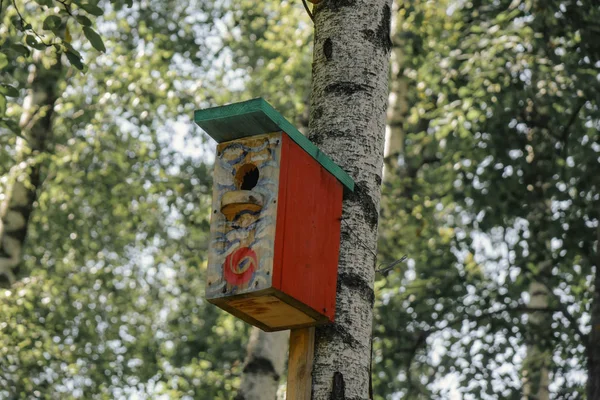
{"points": [[593, 341], [18, 188], [536, 366], [347, 121], [398, 105], [264, 365]]}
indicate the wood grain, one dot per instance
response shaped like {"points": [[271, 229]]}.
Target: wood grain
{"points": [[271, 311], [310, 234], [243, 218], [300, 364]]}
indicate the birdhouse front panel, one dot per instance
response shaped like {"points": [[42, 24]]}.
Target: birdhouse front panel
{"points": [[245, 189], [275, 222]]}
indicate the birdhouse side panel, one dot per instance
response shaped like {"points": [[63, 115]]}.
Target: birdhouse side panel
{"points": [[308, 232], [244, 216]]}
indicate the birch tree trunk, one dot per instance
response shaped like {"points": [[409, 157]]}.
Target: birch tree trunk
{"points": [[536, 373], [347, 121], [264, 365], [538, 336], [398, 105], [19, 188], [593, 345]]}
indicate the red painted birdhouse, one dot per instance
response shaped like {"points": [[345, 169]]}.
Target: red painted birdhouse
{"points": [[275, 223]]}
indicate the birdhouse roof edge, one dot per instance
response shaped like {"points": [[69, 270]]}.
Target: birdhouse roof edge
{"points": [[256, 117]]}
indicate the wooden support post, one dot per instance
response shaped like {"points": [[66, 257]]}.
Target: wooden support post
{"points": [[300, 363]]}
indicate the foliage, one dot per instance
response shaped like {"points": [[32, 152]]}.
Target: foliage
{"points": [[112, 303], [495, 190], [271, 50], [44, 25]]}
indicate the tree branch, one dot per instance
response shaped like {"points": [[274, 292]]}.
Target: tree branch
{"points": [[66, 6], [24, 24], [565, 131]]}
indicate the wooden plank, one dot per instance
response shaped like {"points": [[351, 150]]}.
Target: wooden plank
{"points": [[241, 243], [296, 308], [311, 235], [300, 363], [284, 168], [271, 311], [255, 117]]}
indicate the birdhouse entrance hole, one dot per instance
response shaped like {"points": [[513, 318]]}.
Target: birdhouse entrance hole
{"points": [[275, 226], [246, 177], [243, 203]]}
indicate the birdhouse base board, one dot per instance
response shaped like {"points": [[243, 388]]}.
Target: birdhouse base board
{"points": [[270, 310]]}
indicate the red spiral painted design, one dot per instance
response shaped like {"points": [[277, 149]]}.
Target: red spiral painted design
{"points": [[233, 274]]}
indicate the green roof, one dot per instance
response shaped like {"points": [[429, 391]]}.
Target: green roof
{"points": [[256, 117]]}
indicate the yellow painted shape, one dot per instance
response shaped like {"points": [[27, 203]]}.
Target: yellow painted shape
{"points": [[234, 202]]}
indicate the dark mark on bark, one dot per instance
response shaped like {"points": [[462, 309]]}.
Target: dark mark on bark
{"points": [[328, 49], [338, 392], [316, 139], [335, 331], [24, 210], [335, 5], [383, 30], [361, 196], [378, 180], [19, 234], [261, 365], [381, 37], [318, 113], [347, 88], [345, 236], [358, 284], [369, 35], [319, 137]]}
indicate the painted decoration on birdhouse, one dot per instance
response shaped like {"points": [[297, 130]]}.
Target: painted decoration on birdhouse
{"points": [[275, 221], [246, 183]]}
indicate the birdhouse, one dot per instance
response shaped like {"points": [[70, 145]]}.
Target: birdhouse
{"points": [[275, 220]]}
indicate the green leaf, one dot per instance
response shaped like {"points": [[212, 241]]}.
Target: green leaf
{"points": [[32, 41], [19, 48], [44, 2], [94, 39], [83, 20], [74, 59], [8, 90], [92, 9], [52, 23], [3, 60], [16, 21], [72, 50], [2, 104], [10, 124]]}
